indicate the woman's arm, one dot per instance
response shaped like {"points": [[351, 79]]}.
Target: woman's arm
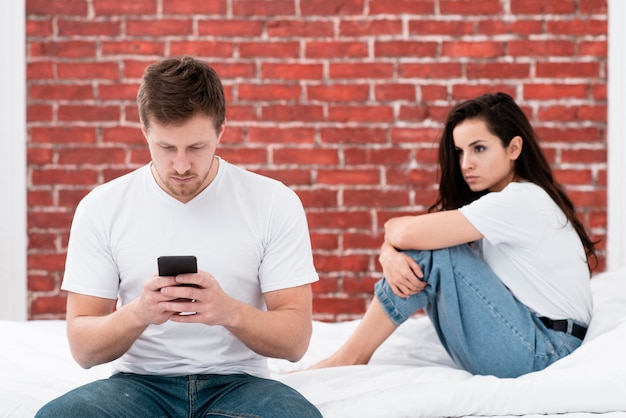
{"points": [[430, 231]]}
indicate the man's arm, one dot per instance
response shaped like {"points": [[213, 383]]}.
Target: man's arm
{"points": [[283, 331], [98, 334]]}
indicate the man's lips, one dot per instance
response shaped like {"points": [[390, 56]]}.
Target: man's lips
{"points": [[182, 179]]}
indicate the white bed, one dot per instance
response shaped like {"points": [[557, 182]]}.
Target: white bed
{"points": [[409, 376]]}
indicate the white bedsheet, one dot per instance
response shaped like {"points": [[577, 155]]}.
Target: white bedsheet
{"points": [[409, 376]]}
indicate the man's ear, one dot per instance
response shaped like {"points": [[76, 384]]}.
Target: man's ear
{"points": [[515, 147], [221, 131], [144, 131]]}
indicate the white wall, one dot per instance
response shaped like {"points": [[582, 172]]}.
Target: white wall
{"points": [[616, 240], [13, 238]]}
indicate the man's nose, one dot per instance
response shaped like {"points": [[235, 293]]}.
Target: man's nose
{"points": [[181, 162]]}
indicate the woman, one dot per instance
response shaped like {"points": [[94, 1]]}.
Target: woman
{"points": [[517, 298]]}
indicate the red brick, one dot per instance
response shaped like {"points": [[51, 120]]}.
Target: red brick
{"points": [[398, 7], [39, 198], [353, 135], [290, 177], [547, 48], [363, 27], [85, 113], [65, 7], [48, 305], [320, 198], [88, 71], [439, 27], [497, 70], [324, 241], [287, 113], [42, 283], [127, 47], [360, 114], [586, 156], [263, 8], [473, 49], [348, 176], [66, 135], [244, 155], [64, 176], [430, 70], [161, 27], [291, 71], [89, 27], [361, 70], [297, 28], [375, 197], [306, 156], [593, 6], [554, 91], [516, 27], [123, 135], [338, 92], [135, 7], [39, 113], [71, 198], [470, 7], [91, 155], [417, 49], [291, 135], [593, 48], [386, 156], [331, 8], [117, 91], [38, 28], [567, 70], [40, 70], [543, 7], [268, 91], [238, 28], [213, 7], [202, 48], [60, 92], [335, 49], [337, 219], [393, 92], [69, 49]]}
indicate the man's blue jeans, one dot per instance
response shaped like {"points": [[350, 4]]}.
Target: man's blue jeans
{"points": [[484, 328], [132, 395]]}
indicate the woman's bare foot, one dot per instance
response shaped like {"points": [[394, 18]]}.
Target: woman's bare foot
{"points": [[337, 360]]}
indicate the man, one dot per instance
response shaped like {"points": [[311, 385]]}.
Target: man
{"points": [[195, 350]]}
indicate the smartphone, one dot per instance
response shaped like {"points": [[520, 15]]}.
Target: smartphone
{"points": [[173, 265]]}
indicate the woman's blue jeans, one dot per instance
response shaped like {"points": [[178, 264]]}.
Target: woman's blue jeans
{"points": [[483, 327], [141, 396]]}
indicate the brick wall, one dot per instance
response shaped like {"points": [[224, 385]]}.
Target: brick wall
{"points": [[341, 100]]}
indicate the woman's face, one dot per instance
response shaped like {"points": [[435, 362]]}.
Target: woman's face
{"points": [[485, 163]]}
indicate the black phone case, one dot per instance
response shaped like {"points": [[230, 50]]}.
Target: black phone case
{"points": [[173, 265]]}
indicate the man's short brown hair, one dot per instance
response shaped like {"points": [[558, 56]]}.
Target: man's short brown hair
{"points": [[175, 89]]}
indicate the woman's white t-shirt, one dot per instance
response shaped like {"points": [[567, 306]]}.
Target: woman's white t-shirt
{"points": [[532, 247], [250, 232]]}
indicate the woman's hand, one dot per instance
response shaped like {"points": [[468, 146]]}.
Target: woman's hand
{"points": [[402, 273]]}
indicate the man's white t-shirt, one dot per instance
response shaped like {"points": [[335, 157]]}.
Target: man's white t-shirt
{"points": [[530, 245], [250, 232]]}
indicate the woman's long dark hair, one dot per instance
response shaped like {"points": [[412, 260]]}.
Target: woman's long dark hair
{"points": [[506, 120]]}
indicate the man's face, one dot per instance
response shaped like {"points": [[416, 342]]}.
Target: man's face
{"points": [[183, 155]]}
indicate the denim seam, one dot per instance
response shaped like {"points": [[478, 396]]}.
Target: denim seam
{"points": [[514, 331]]}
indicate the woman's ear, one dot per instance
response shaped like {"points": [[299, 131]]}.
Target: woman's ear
{"points": [[515, 147]]}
